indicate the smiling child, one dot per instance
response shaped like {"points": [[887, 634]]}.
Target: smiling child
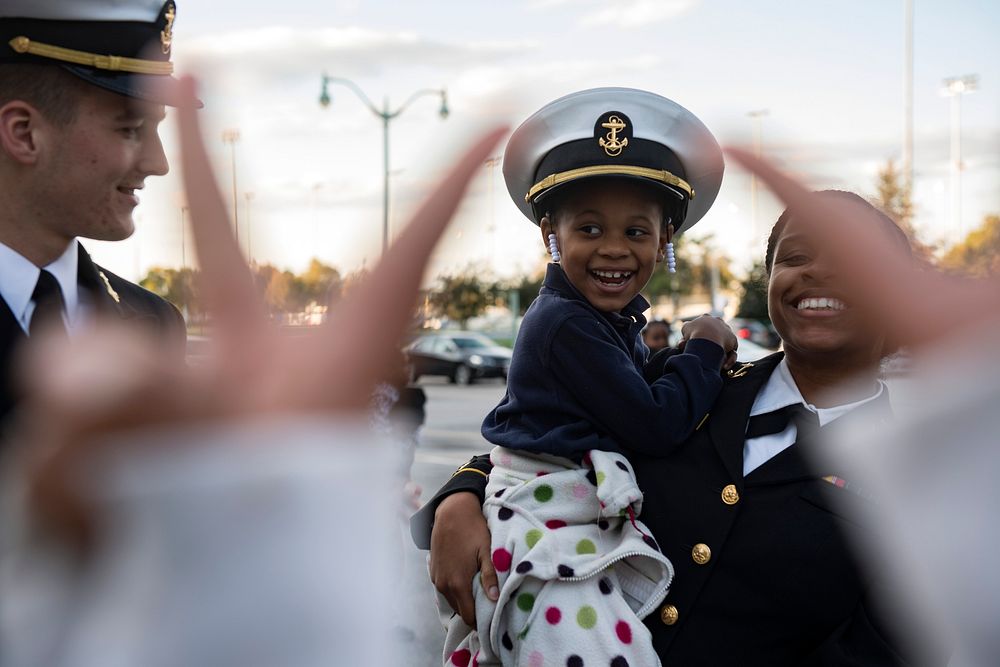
{"points": [[609, 175]]}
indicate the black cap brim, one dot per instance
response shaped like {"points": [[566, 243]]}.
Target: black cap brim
{"points": [[157, 89], [673, 199]]}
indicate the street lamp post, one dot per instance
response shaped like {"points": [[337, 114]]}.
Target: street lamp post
{"points": [[184, 210], [955, 87], [755, 118], [908, 96], [249, 197], [231, 137], [492, 163], [386, 114]]}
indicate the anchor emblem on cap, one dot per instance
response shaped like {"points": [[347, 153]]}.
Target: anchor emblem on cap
{"points": [[167, 34], [610, 142]]}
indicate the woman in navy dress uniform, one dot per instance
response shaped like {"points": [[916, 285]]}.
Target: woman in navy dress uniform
{"points": [[758, 536]]}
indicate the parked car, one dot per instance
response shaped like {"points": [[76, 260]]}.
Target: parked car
{"points": [[756, 331], [461, 356]]}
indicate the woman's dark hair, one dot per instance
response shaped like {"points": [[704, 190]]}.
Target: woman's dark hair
{"points": [[786, 215]]}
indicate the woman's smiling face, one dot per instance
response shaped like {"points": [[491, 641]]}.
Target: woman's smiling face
{"points": [[610, 238], [808, 306]]}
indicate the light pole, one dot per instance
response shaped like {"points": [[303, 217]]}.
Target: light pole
{"points": [[955, 87], [492, 163], [232, 137], [249, 197], [908, 96], [755, 118], [184, 262], [386, 115]]}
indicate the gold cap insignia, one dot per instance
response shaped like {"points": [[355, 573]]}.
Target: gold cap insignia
{"points": [[615, 140], [167, 34]]}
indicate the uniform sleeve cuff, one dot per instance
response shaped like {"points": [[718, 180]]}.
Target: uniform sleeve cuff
{"points": [[708, 352]]}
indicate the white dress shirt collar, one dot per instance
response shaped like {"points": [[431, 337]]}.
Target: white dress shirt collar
{"points": [[18, 277], [781, 391]]}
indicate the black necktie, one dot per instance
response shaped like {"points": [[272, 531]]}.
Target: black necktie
{"points": [[776, 421], [49, 305]]}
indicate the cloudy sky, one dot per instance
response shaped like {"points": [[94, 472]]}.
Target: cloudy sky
{"points": [[828, 73]]}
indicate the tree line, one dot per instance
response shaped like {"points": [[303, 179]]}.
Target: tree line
{"points": [[462, 295], [284, 292]]}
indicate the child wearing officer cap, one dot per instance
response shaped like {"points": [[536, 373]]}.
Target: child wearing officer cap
{"points": [[609, 175]]}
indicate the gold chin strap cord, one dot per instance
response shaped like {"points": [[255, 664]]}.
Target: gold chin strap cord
{"points": [[609, 170], [22, 44]]}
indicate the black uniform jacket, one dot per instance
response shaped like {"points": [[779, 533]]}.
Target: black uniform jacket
{"points": [[764, 572], [110, 296]]}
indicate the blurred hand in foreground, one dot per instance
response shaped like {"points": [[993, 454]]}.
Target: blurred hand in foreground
{"points": [[934, 465], [919, 306], [111, 380]]}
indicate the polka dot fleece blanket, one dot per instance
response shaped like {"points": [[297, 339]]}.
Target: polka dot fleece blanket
{"points": [[577, 571]]}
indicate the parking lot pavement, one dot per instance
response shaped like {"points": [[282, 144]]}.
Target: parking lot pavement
{"points": [[449, 438]]}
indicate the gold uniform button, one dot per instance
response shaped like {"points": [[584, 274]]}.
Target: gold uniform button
{"points": [[730, 495], [701, 554], [669, 614]]}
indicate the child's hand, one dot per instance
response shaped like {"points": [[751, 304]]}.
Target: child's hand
{"points": [[715, 330]]}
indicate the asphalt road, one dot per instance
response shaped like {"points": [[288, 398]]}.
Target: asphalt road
{"points": [[449, 438], [451, 432]]}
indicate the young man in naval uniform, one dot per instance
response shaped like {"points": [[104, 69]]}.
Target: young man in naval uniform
{"points": [[83, 86]]}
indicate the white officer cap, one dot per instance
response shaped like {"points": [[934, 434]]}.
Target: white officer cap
{"points": [[121, 45], [615, 133]]}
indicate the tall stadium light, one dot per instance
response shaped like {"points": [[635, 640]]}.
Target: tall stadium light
{"points": [[232, 137], [955, 87]]}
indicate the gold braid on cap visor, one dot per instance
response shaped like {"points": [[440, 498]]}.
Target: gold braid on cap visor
{"points": [[22, 44], [660, 175]]}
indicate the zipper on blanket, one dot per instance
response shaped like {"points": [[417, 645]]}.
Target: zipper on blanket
{"points": [[646, 609]]}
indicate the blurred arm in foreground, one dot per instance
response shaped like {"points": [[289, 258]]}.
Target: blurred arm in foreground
{"points": [[206, 515], [935, 467]]}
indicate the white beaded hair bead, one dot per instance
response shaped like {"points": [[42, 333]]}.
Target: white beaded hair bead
{"points": [[554, 248], [671, 258]]}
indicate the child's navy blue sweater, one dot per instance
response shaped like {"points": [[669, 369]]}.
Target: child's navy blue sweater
{"points": [[576, 383]]}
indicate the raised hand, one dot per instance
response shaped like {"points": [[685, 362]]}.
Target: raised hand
{"points": [[112, 380], [919, 306]]}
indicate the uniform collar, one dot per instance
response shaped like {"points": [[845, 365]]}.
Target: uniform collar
{"points": [[556, 280], [781, 391], [18, 277]]}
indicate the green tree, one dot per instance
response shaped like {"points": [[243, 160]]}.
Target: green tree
{"points": [[893, 198], [462, 296], [979, 253], [178, 286], [694, 271], [753, 294], [526, 287], [321, 283], [282, 291]]}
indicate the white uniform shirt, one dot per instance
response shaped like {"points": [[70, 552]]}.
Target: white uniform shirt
{"points": [[18, 277], [781, 391]]}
